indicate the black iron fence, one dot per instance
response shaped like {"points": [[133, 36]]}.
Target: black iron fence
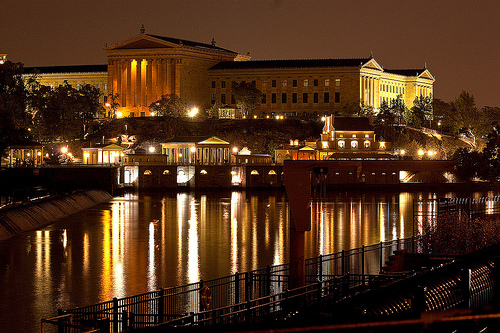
{"points": [[260, 293]]}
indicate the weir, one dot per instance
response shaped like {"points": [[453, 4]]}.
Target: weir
{"points": [[36, 214]]}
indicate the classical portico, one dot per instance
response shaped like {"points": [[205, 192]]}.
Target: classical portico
{"points": [[145, 67]]}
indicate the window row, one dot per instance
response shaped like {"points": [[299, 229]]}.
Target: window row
{"points": [[284, 98], [285, 83], [392, 89]]}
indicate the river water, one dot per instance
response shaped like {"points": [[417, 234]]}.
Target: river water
{"points": [[143, 241]]}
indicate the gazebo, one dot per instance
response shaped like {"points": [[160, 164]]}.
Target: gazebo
{"points": [[26, 155]]}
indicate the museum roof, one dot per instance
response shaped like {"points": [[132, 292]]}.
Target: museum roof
{"points": [[190, 43], [406, 72], [67, 69], [297, 63], [352, 124]]}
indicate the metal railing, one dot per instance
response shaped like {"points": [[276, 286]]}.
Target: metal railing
{"points": [[244, 294]]}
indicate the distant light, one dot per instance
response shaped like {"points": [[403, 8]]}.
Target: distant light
{"points": [[151, 149], [277, 117], [421, 152], [64, 150], [119, 114], [193, 112], [193, 149], [235, 150], [402, 152], [254, 116], [323, 118]]}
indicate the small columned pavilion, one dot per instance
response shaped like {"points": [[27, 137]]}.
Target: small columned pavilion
{"points": [[26, 155]]}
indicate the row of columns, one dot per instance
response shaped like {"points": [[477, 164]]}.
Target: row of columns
{"points": [[139, 82], [186, 155], [368, 87]]}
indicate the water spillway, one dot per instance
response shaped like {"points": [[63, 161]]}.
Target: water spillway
{"points": [[36, 214]]}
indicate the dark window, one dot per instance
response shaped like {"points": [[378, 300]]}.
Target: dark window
{"points": [[273, 83], [315, 82], [304, 98], [213, 84], [273, 98], [337, 97], [264, 99], [326, 97], [233, 100], [316, 97], [223, 98], [294, 83], [283, 98], [212, 99], [294, 98], [223, 84]]}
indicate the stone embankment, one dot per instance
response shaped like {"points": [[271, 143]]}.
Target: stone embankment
{"points": [[36, 214]]}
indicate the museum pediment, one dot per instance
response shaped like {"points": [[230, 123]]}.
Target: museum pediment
{"points": [[372, 64], [426, 75], [142, 42]]}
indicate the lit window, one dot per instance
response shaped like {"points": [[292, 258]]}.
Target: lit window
{"points": [[337, 82], [354, 135], [354, 144], [166, 172], [306, 83], [382, 145], [341, 144], [283, 83], [254, 172], [327, 82], [325, 144], [272, 172], [203, 172], [367, 144], [367, 135], [147, 172], [341, 135], [264, 83]]}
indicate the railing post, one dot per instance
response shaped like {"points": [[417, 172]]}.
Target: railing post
{"points": [[236, 288], [115, 314], [320, 273], [200, 285], [60, 328], [161, 305], [419, 306], [465, 285], [131, 320], [381, 256], [342, 262], [125, 320], [363, 263], [267, 282]]}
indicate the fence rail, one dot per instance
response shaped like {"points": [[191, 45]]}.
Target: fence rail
{"points": [[244, 295]]}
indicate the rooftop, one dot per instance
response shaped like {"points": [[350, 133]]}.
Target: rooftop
{"points": [[297, 63], [67, 69]]}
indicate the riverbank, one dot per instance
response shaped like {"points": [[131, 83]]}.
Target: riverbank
{"points": [[35, 214]]}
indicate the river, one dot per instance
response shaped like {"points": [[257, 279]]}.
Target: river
{"points": [[143, 241]]}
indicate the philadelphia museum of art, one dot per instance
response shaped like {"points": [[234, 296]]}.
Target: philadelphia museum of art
{"points": [[141, 69]]}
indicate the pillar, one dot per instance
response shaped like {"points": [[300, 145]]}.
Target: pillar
{"points": [[138, 82], [149, 82], [128, 85], [178, 65], [168, 80]]}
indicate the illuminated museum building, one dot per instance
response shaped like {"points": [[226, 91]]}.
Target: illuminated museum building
{"points": [[143, 68]]}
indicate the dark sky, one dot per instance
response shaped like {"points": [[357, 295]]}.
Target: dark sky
{"points": [[459, 40]]}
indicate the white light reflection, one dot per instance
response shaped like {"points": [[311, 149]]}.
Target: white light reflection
{"points": [[151, 258], [43, 271], [382, 220], [193, 259], [181, 206], [235, 204]]}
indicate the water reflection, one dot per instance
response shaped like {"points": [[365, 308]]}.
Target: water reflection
{"points": [[142, 242]]}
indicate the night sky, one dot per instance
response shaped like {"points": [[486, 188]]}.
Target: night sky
{"points": [[459, 40]]}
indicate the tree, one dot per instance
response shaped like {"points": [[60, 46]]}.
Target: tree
{"points": [[169, 105], [398, 108], [113, 104], [384, 121], [468, 163], [247, 96], [213, 112], [422, 110], [467, 119], [491, 155], [65, 113], [14, 102]]}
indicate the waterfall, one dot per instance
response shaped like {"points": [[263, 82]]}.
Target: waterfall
{"points": [[36, 214]]}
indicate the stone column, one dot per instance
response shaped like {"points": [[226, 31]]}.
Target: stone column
{"points": [[168, 81], [154, 83], [129, 97], [149, 82], [178, 66], [138, 82]]}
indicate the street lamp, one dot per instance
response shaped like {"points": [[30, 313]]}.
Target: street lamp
{"points": [[193, 112], [151, 149]]}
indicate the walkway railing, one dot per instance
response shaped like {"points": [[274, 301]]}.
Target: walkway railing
{"points": [[260, 293]]}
